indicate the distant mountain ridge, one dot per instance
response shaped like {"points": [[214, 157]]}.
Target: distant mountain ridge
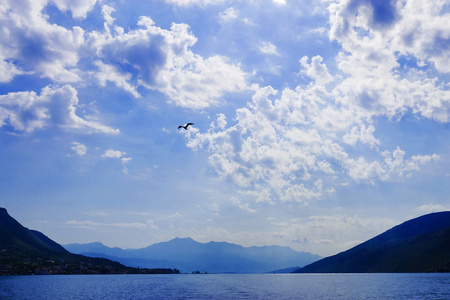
{"points": [[418, 245], [188, 255], [25, 252]]}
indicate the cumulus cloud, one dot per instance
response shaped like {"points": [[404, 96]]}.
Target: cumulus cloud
{"points": [[111, 153], [229, 14], [194, 2], [79, 8], [292, 144], [108, 73], [148, 56], [36, 46], [296, 142], [375, 36], [8, 70], [316, 70], [161, 60], [268, 48], [79, 148], [28, 111]]}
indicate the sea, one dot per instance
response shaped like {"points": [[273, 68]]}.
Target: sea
{"points": [[228, 286]]}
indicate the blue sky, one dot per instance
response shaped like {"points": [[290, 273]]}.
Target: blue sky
{"points": [[318, 124]]}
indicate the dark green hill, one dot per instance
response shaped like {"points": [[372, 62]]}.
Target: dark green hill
{"points": [[48, 242], [14, 236], [24, 251], [418, 245]]}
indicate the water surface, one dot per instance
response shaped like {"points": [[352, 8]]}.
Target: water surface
{"points": [[229, 286]]}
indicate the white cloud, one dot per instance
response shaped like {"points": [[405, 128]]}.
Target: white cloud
{"points": [[242, 206], [27, 111], [421, 31], [36, 45], [79, 148], [279, 2], [297, 141], [149, 56], [229, 14], [361, 134], [337, 231], [175, 215], [221, 121], [84, 224], [316, 70], [323, 235], [268, 48], [320, 30], [430, 208], [124, 162], [8, 70], [79, 8], [374, 36], [110, 153], [150, 224], [110, 73], [194, 2], [289, 140], [160, 59], [199, 83]]}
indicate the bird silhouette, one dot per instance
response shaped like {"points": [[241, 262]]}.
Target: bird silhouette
{"points": [[185, 126]]}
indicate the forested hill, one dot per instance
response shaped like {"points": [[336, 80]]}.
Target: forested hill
{"points": [[24, 251], [14, 236], [418, 245]]}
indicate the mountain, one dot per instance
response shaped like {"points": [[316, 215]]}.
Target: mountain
{"points": [[188, 255], [418, 245], [14, 236], [24, 251]]}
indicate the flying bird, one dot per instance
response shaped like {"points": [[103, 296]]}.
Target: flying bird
{"points": [[185, 126]]}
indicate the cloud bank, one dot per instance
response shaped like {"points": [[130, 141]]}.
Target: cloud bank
{"points": [[299, 144], [28, 111], [294, 144], [146, 57]]}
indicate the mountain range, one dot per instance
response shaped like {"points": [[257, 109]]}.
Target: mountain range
{"points": [[418, 245], [187, 255], [24, 252]]}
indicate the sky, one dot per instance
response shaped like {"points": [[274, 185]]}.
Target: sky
{"points": [[317, 124]]}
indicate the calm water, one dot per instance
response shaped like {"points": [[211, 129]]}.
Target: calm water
{"points": [[212, 286]]}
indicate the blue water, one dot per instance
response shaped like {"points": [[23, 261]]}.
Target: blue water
{"points": [[220, 286]]}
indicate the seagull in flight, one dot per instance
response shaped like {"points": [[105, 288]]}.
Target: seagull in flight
{"points": [[185, 126]]}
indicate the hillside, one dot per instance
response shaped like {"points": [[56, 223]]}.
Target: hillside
{"points": [[418, 245], [14, 236], [24, 251], [188, 255]]}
